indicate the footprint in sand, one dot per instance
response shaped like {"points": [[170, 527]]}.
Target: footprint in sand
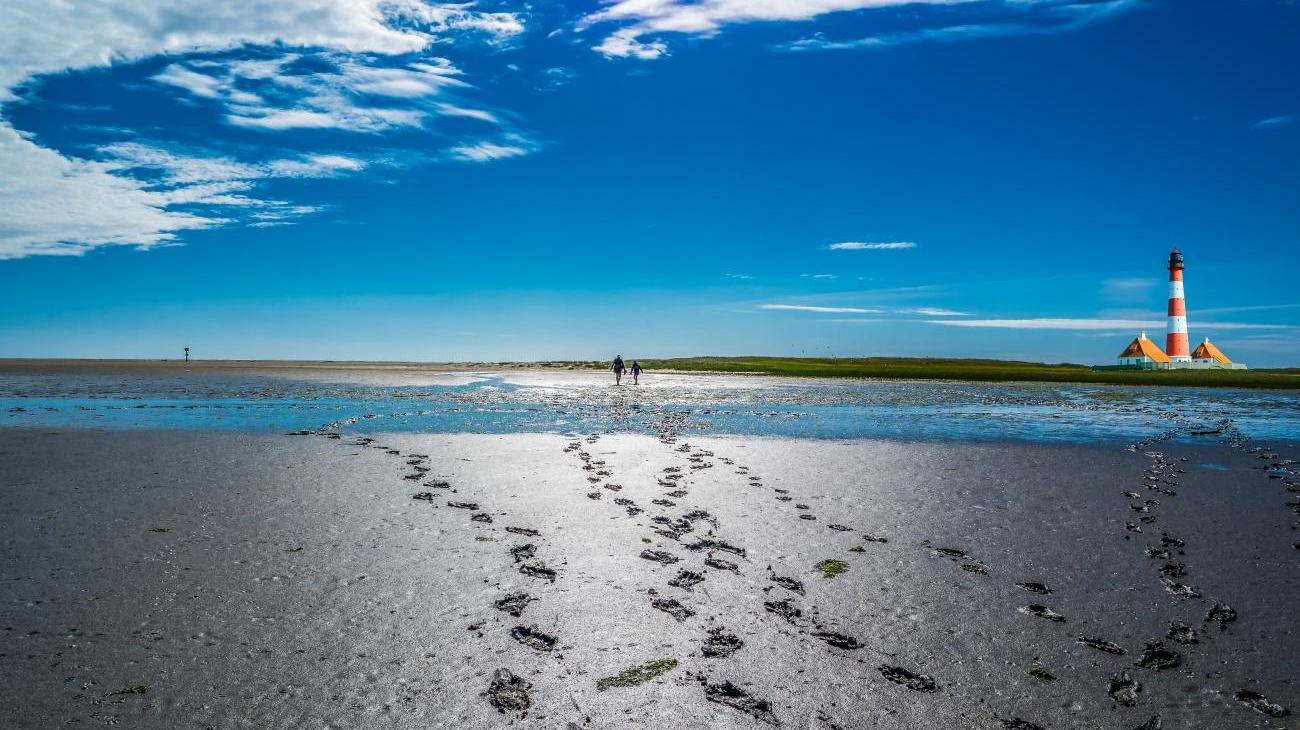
{"points": [[1124, 689], [532, 638], [672, 607], [659, 556], [1041, 611], [514, 603], [732, 696], [719, 643], [908, 678]]}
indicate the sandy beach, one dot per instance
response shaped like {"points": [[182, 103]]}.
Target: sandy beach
{"points": [[369, 579]]}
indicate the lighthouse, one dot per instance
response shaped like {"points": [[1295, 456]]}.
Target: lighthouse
{"points": [[1143, 354], [1176, 334]]}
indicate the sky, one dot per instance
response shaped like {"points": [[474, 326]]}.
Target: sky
{"points": [[413, 180]]}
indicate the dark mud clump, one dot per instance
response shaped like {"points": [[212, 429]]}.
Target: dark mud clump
{"points": [[720, 564], [953, 553], [1038, 588], [640, 674], [783, 608], [907, 678], [1181, 633], [1152, 724], [685, 579], [1041, 611], [1156, 656], [523, 552], [672, 607], [481, 517], [593, 495], [807, 517], [721, 644], [538, 570], [1221, 614], [874, 538], [1182, 590], [732, 696], [423, 496], [840, 528], [1260, 703], [1016, 723], [837, 640], [709, 543], [975, 568], [523, 531], [532, 638], [1124, 689], [508, 693], [463, 505], [1102, 645], [789, 584], [1172, 570], [659, 556], [514, 603]]}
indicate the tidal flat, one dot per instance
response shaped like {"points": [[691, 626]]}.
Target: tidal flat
{"points": [[544, 550]]}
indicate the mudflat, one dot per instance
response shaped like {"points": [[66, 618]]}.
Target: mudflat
{"points": [[225, 579]]}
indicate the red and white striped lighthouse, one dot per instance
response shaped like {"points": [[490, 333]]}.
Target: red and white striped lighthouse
{"points": [[1176, 336]]}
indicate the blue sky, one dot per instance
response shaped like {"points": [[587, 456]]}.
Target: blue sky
{"points": [[399, 179]]}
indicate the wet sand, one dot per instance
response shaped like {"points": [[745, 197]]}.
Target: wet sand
{"points": [[217, 579]]}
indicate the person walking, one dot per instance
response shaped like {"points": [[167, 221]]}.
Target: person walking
{"points": [[618, 369], [636, 373]]}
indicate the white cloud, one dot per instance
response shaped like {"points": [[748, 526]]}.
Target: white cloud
{"points": [[485, 151], [1274, 122], [338, 98], [932, 312], [624, 44], [863, 246], [1091, 324], [705, 18], [51, 203], [738, 276], [821, 310]]}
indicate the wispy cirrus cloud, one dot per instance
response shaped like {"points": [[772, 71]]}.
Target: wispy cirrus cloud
{"points": [[293, 92], [932, 312], [876, 246], [1048, 323], [817, 309], [644, 23], [1275, 122], [54, 203], [511, 145], [1044, 18]]}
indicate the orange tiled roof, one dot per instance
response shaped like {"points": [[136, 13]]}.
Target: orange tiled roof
{"points": [[1142, 347], [1207, 351]]}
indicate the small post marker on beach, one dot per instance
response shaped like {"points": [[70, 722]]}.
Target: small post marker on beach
{"points": [[187, 354]]}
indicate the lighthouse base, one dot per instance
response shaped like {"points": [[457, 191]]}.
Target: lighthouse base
{"points": [[1177, 365]]}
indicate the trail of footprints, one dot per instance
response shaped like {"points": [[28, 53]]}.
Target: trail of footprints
{"points": [[695, 530]]}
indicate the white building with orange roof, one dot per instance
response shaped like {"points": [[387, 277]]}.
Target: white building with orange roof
{"points": [[1143, 353], [1211, 355]]}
